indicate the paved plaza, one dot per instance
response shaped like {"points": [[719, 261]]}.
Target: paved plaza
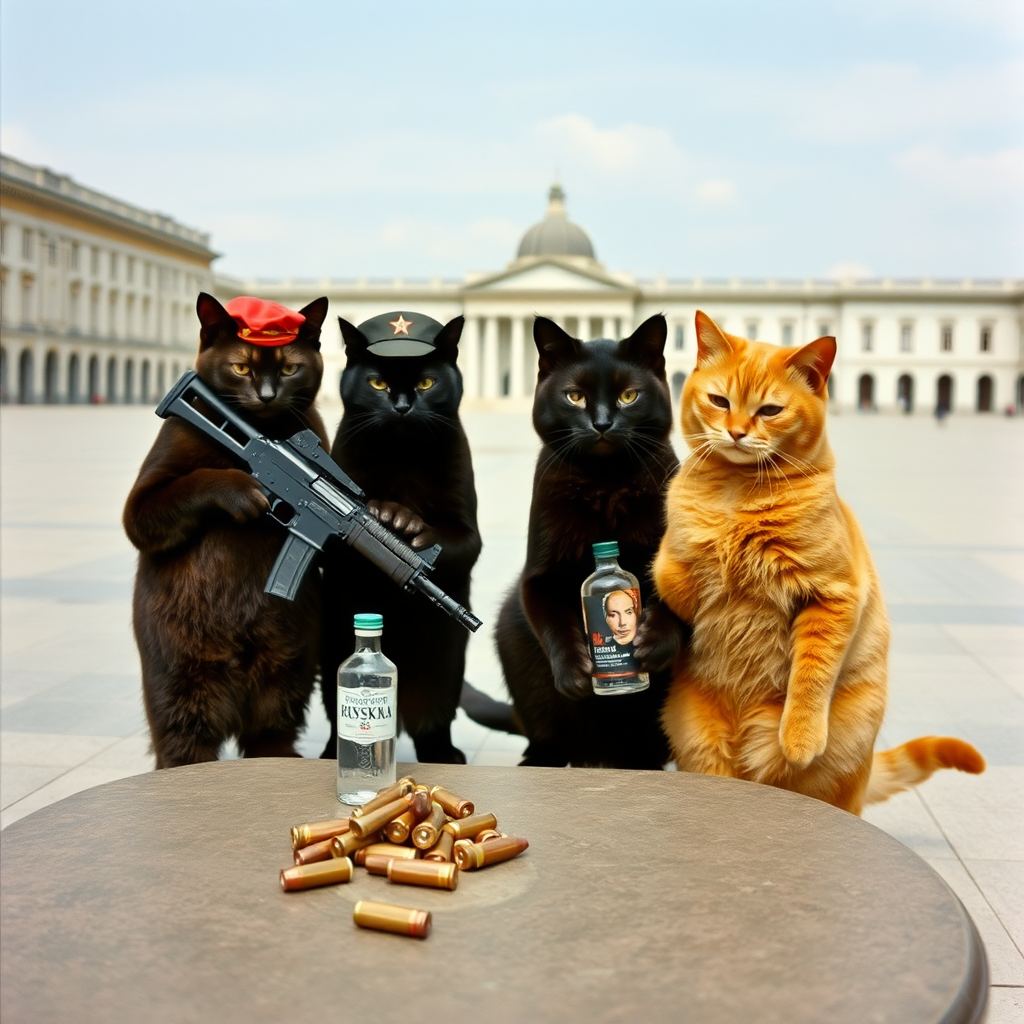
{"points": [[942, 507]]}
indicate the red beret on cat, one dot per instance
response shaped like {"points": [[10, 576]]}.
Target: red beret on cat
{"points": [[262, 322]]}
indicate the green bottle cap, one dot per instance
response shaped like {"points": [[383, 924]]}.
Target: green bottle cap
{"points": [[369, 622], [606, 549]]}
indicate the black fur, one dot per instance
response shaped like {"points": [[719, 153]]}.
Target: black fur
{"points": [[406, 448], [601, 475]]}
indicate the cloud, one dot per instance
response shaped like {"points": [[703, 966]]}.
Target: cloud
{"points": [[716, 192], [977, 178], [848, 272], [619, 152]]}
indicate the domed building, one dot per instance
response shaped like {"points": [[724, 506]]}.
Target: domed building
{"points": [[556, 235]]}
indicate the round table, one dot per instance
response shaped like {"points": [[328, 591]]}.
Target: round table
{"points": [[644, 896]]}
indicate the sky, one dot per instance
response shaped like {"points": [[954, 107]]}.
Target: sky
{"points": [[777, 138]]}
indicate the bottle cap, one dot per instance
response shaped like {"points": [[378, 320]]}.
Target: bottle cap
{"points": [[369, 622], [606, 549]]}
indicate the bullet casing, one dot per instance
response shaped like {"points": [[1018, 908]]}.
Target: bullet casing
{"points": [[397, 831], [425, 834], [454, 806], [311, 876], [386, 917], [347, 844], [378, 818], [442, 849], [377, 863], [315, 852], [470, 856], [429, 873], [317, 831], [471, 827], [385, 796], [487, 834], [384, 850]]}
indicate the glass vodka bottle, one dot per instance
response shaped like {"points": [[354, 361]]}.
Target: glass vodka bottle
{"points": [[611, 614], [367, 716]]}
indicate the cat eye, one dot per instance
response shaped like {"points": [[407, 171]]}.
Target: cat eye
{"points": [[378, 384], [722, 403], [242, 369], [289, 369], [629, 396], [577, 398], [769, 410], [426, 384]]}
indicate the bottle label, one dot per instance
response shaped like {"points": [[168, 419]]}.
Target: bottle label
{"points": [[611, 621], [366, 714]]}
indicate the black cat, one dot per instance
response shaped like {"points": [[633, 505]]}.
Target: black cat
{"points": [[401, 440], [221, 658], [603, 411]]}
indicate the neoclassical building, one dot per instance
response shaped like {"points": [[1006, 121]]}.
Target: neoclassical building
{"points": [[903, 344], [98, 303], [97, 296]]}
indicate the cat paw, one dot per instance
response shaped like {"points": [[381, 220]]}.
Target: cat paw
{"points": [[240, 496], [573, 681], [802, 739], [659, 639], [397, 517]]}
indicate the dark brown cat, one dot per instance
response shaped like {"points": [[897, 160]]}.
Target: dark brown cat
{"points": [[603, 412], [220, 658]]}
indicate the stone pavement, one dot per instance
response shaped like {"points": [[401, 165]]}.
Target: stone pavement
{"points": [[942, 507]]}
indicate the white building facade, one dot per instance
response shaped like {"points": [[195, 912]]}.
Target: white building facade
{"points": [[97, 297], [907, 345]]}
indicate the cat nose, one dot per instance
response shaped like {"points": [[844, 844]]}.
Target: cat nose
{"points": [[266, 391], [602, 420], [737, 434], [402, 404]]}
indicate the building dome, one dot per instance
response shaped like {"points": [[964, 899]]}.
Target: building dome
{"points": [[556, 235]]}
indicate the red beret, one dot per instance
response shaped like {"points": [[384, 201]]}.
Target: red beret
{"points": [[262, 322]]}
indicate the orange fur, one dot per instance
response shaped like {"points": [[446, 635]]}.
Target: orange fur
{"points": [[785, 679]]}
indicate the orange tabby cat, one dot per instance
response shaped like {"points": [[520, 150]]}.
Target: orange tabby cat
{"points": [[785, 679]]}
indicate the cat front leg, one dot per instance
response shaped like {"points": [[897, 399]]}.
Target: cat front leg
{"points": [[460, 545], [820, 635], [673, 579], [660, 637], [560, 632]]}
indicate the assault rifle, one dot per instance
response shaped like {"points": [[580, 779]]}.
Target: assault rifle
{"points": [[311, 496]]}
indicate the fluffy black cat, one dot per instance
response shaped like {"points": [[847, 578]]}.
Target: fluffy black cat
{"points": [[221, 658], [603, 412], [401, 440]]}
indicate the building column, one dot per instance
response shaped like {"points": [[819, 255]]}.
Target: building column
{"points": [[608, 327], [469, 357], [490, 381], [626, 326], [516, 389]]}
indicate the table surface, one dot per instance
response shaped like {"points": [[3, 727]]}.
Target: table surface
{"points": [[644, 895]]}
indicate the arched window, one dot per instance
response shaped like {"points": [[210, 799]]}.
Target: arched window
{"points": [[129, 381], [905, 392], [985, 394], [74, 379], [831, 385], [94, 380], [678, 380], [680, 337], [866, 393], [944, 394], [26, 371], [145, 384], [112, 379], [161, 378], [5, 384], [51, 380], [1020, 393]]}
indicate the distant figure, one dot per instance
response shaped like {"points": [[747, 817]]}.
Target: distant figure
{"points": [[941, 412]]}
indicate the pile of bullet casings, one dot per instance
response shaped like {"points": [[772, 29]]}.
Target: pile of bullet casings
{"points": [[416, 835]]}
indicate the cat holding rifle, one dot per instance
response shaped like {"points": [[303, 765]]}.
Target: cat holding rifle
{"points": [[603, 412], [401, 440], [785, 679], [220, 658]]}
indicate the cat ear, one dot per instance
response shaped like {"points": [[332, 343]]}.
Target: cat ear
{"points": [[315, 314], [646, 345], [814, 361], [711, 339], [214, 319], [355, 340], [447, 340], [553, 344]]}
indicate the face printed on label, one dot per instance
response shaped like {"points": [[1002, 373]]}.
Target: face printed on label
{"points": [[620, 614]]}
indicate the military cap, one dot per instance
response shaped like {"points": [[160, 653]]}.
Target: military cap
{"points": [[400, 334], [262, 322]]}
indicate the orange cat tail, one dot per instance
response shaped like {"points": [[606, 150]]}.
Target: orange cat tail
{"points": [[911, 763]]}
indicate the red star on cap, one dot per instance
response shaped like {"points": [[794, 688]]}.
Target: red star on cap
{"points": [[401, 325]]}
